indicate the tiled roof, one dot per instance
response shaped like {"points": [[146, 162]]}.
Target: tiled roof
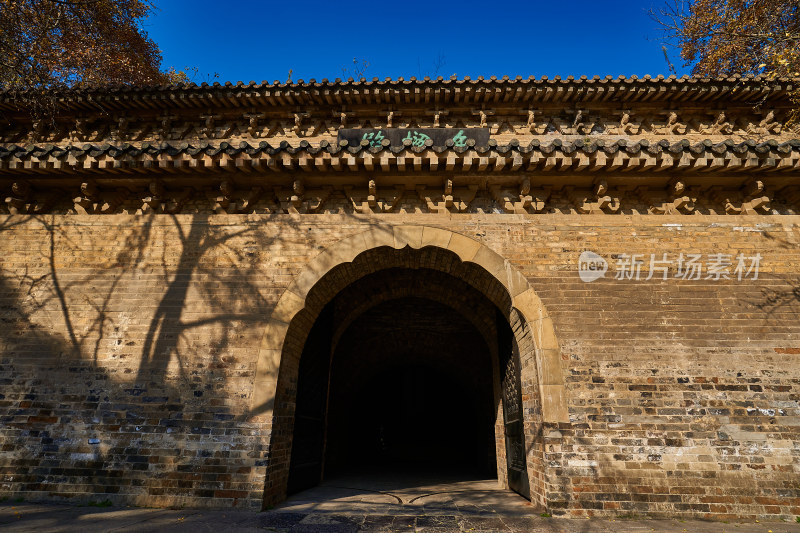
{"points": [[481, 90], [556, 155]]}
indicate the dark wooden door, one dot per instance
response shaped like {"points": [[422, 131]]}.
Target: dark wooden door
{"points": [[512, 410]]}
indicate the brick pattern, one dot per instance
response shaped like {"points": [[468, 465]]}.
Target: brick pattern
{"points": [[534, 437], [128, 345]]}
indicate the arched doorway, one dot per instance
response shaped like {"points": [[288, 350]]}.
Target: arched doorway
{"points": [[361, 380], [394, 378]]}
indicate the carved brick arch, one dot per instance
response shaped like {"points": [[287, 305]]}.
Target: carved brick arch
{"points": [[298, 304]]}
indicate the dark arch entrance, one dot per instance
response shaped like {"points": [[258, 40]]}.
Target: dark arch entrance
{"points": [[408, 369], [411, 389]]}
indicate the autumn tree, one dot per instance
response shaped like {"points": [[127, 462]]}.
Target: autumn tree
{"points": [[54, 44], [726, 37]]}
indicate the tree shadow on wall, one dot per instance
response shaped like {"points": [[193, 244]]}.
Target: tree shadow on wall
{"points": [[782, 301], [41, 373], [92, 412]]}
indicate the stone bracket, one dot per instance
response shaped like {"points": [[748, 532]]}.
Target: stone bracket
{"points": [[92, 200], [368, 200], [232, 200], [677, 199], [749, 200], [161, 200], [24, 200], [452, 199], [523, 200], [300, 200], [596, 201]]}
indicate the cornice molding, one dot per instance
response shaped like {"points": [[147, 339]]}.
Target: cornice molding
{"points": [[315, 124], [557, 177]]}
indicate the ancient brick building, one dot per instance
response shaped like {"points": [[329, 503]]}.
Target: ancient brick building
{"points": [[588, 288]]}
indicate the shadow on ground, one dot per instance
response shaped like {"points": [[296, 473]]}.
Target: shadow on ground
{"points": [[45, 518]]}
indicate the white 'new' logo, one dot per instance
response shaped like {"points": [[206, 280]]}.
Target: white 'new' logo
{"points": [[591, 266]]}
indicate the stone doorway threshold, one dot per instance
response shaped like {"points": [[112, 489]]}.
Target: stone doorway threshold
{"points": [[413, 502], [408, 494]]}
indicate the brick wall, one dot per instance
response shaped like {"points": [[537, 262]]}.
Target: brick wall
{"points": [[128, 350]]}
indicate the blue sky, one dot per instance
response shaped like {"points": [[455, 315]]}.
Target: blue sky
{"points": [[250, 40]]}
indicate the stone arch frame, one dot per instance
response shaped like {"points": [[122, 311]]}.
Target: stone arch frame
{"points": [[293, 300]]}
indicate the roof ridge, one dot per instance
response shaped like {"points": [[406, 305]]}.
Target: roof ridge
{"points": [[402, 81]]}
